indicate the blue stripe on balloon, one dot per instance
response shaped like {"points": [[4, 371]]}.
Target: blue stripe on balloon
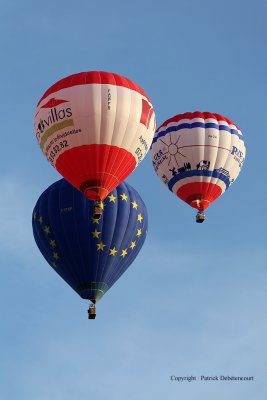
{"points": [[195, 172], [198, 125]]}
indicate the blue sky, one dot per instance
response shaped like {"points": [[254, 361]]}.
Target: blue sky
{"points": [[194, 301]]}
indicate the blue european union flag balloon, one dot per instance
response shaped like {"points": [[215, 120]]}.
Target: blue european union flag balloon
{"points": [[89, 254]]}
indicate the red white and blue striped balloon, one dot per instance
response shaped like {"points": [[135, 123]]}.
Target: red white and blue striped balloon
{"points": [[198, 156], [95, 128]]}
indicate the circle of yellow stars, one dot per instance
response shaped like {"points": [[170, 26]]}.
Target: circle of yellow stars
{"points": [[96, 234], [52, 243]]}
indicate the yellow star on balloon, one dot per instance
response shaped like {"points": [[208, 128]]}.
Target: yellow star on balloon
{"points": [[124, 197], [132, 245], [34, 215], [102, 205], [139, 218], [139, 232], [52, 243], [40, 219], [123, 253], [112, 198], [96, 234], [55, 255], [135, 205], [100, 246], [54, 265], [112, 252], [95, 220], [47, 230]]}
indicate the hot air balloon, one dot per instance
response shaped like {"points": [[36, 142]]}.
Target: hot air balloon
{"points": [[198, 156], [95, 128], [89, 254]]}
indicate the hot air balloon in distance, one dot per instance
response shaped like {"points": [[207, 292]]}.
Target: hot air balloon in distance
{"points": [[89, 254], [198, 155], [95, 128]]}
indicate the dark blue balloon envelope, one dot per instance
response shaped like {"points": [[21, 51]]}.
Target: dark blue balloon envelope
{"points": [[89, 254]]}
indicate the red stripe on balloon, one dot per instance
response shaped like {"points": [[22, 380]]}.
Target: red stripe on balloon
{"points": [[96, 169], [197, 114], [199, 194], [146, 113], [91, 77]]}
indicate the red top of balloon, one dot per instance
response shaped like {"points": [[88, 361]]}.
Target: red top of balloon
{"points": [[197, 114], [91, 77]]}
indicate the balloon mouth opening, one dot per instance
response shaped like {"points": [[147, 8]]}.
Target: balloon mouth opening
{"points": [[198, 203], [92, 291], [96, 194], [93, 190]]}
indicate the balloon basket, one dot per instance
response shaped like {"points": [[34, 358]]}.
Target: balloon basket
{"points": [[97, 211], [200, 217], [92, 312]]}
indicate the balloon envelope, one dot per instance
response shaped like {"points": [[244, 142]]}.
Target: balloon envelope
{"points": [[89, 254], [95, 128], [198, 156]]}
